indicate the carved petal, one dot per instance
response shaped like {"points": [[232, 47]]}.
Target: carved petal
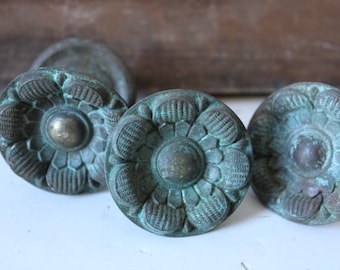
{"points": [[175, 199], [66, 181], [25, 163], [260, 131], [124, 182], [210, 211], [301, 206], [234, 169], [197, 132], [12, 121], [174, 110], [129, 136], [190, 197], [182, 128], [221, 124], [332, 202], [290, 101], [330, 101], [263, 180], [88, 93], [208, 142], [163, 218], [36, 89]]}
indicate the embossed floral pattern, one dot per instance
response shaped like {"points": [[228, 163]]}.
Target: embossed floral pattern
{"points": [[178, 163], [54, 127], [296, 139]]}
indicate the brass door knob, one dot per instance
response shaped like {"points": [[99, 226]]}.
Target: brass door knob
{"points": [[178, 163], [296, 140], [54, 124]]}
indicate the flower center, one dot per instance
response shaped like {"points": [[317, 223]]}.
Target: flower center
{"points": [[310, 152], [179, 162], [67, 129]]}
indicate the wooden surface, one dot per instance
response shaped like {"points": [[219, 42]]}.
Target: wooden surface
{"points": [[235, 46]]}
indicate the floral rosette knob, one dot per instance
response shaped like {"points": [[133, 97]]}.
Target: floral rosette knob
{"points": [[296, 140], [178, 163], [54, 127]]}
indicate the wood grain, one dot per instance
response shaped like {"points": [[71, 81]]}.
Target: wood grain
{"points": [[221, 47]]}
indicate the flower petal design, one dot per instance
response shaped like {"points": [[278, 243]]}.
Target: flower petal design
{"points": [[24, 163], [221, 124], [74, 160], [235, 169], [12, 121], [213, 156], [130, 136], [290, 101], [175, 199], [174, 110], [178, 148], [212, 173], [300, 206], [89, 93], [210, 211], [160, 195], [66, 181], [96, 118], [153, 139], [332, 202], [208, 142], [260, 131], [330, 102], [111, 119], [320, 118], [46, 153], [197, 132], [190, 197], [333, 128], [163, 218], [300, 169], [126, 185], [36, 143], [96, 170], [34, 115], [182, 128], [60, 159], [98, 145], [87, 155], [263, 180], [37, 88], [167, 131], [204, 188]]}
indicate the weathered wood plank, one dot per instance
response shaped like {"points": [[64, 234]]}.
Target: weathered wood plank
{"points": [[235, 46]]}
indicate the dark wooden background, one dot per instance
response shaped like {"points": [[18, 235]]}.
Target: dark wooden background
{"points": [[221, 47]]}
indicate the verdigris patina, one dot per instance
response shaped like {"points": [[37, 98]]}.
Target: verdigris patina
{"points": [[296, 141], [178, 163], [54, 127], [87, 57]]}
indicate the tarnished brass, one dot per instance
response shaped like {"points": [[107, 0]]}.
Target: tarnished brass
{"points": [[54, 123]]}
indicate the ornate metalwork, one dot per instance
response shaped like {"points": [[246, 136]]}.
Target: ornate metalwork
{"points": [[54, 127], [87, 57], [178, 163], [296, 139]]}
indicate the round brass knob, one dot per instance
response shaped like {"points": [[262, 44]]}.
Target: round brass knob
{"points": [[178, 163], [296, 139], [54, 124]]}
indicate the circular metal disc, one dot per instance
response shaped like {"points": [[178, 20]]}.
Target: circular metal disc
{"points": [[295, 136], [178, 163], [54, 127]]}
